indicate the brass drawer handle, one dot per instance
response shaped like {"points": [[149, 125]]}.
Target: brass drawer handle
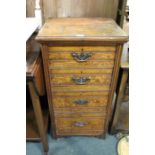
{"points": [[80, 124], [80, 102], [80, 80], [81, 57]]}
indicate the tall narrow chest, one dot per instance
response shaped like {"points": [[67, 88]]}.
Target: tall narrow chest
{"points": [[81, 59]]}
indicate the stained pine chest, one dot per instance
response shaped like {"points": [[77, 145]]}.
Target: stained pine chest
{"points": [[81, 58]]}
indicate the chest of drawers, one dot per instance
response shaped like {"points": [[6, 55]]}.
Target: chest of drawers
{"points": [[81, 59]]}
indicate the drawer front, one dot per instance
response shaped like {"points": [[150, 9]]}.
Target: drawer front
{"points": [[74, 79], [73, 88], [89, 56], [58, 64], [86, 101], [82, 48], [81, 94], [80, 80], [80, 123], [80, 112], [81, 71]]}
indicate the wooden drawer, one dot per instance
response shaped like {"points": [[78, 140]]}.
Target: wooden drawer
{"points": [[86, 101], [81, 48], [79, 123], [80, 112], [58, 64], [74, 79], [73, 88], [81, 94], [70, 55], [81, 71]]}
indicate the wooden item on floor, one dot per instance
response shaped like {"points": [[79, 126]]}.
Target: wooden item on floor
{"points": [[81, 58], [37, 121], [120, 121]]}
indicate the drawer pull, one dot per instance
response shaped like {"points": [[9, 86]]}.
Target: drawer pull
{"points": [[81, 57], [80, 124], [80, 80], [80, 102]]}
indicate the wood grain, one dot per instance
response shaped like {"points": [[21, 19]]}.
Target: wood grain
{"points": [[72, 88], [81, 71], [113, 85], [30, 8], [58, 64], [70, 123], [93, 101], [39, 79], [81, 48], [81, 29], [94, 55], [79, 133], [96, 35], [38, 115], [72, 112], [66, 79], [120, 121], [81, 93], [48, 88], [80, 8], [32, 133]]}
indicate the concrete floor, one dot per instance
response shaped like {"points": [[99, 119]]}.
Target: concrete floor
{"points": [[75, 146]]}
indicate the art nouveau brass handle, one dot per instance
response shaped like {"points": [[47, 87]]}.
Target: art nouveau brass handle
{"points": [[80, 80], [80, 102], [80, 124], [81, 57]]}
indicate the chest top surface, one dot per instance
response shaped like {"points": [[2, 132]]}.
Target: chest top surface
{"points": [[103, 29]]}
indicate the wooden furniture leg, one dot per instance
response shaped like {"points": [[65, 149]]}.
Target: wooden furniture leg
{"points": [[38, 114], [119, 97]]}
